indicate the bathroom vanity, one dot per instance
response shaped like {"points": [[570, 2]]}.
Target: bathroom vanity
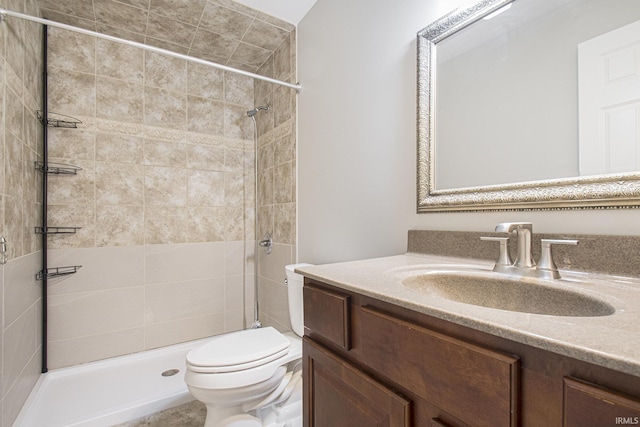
{"points": [[380, 349]]}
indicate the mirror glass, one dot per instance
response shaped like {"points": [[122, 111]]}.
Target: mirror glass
{"points": [[529, 94]]}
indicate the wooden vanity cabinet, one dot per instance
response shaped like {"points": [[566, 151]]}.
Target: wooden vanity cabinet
{"points": [[365, 367], [588, 404], [371, 363]]}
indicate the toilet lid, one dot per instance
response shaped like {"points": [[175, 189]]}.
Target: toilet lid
{"points": [[239, 350]]}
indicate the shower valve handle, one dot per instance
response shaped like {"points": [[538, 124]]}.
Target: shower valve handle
{"points": [[266, 243]]}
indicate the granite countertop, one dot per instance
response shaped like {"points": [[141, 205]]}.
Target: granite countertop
{"points": [[611, 341]]}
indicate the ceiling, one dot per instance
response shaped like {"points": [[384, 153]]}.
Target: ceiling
{"points": [[288, 10], [222, 31]]}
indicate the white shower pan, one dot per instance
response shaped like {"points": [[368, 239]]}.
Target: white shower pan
{"points": [[108, 392]]}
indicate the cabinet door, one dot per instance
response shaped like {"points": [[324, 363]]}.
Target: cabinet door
{"points": [[337, 393], [326, 316], [587, 404], [476, 385]]}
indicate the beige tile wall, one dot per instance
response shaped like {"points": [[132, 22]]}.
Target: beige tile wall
{"points": [[20, 208], [165, 193], [167, 219], [130, 298], [277, 181], [222, 31]]}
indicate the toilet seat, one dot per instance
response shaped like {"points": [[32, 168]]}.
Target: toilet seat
{"points": [[245, 377], [238, 351]]}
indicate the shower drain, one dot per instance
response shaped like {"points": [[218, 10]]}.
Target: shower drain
{"points": [[170, 372]]}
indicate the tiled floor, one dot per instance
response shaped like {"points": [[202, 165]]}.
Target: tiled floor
{"points": [[190, 414]]}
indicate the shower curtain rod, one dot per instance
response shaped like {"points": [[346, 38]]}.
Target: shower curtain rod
{"points": [[5, 12]]}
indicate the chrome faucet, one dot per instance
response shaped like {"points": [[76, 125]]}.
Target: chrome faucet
{"points": [[524, 264], [523, 230]]}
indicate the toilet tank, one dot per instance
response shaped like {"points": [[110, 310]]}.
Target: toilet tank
{"points": [[295, 283]]}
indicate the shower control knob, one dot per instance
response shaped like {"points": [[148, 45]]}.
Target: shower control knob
{"points": [[266, 243]]}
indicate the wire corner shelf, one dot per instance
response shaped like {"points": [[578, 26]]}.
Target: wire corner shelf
{"points": [[50, 273], [57, 230], [57, 168], [57, 120]]}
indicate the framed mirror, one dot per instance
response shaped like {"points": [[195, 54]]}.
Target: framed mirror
{"points": [[530, 104]]}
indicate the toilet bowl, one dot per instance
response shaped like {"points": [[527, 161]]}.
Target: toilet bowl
{"points": [[239, 374]]}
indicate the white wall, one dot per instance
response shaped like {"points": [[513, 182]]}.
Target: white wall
{"points": [[357, 137]]}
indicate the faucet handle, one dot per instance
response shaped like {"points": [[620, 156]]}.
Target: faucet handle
{"points": [[546, 257], [503, 258]]}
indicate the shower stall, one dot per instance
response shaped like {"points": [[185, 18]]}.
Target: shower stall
{"points": [[152, 222]]}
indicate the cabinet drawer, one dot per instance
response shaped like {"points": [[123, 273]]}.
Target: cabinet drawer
{"points": [[589, 404], [475, 385], [327, 315], [338, 394]]}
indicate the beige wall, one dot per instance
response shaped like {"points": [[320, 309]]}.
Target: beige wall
{"points": [[20, 212], [357, 138], [277, 182], [165, 197], [161, 200]]}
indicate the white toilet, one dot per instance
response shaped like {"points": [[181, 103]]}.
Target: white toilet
{"points": [[239, 376]]}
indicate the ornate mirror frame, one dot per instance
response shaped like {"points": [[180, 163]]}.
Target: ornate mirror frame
{"points": [[598, 191]]}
